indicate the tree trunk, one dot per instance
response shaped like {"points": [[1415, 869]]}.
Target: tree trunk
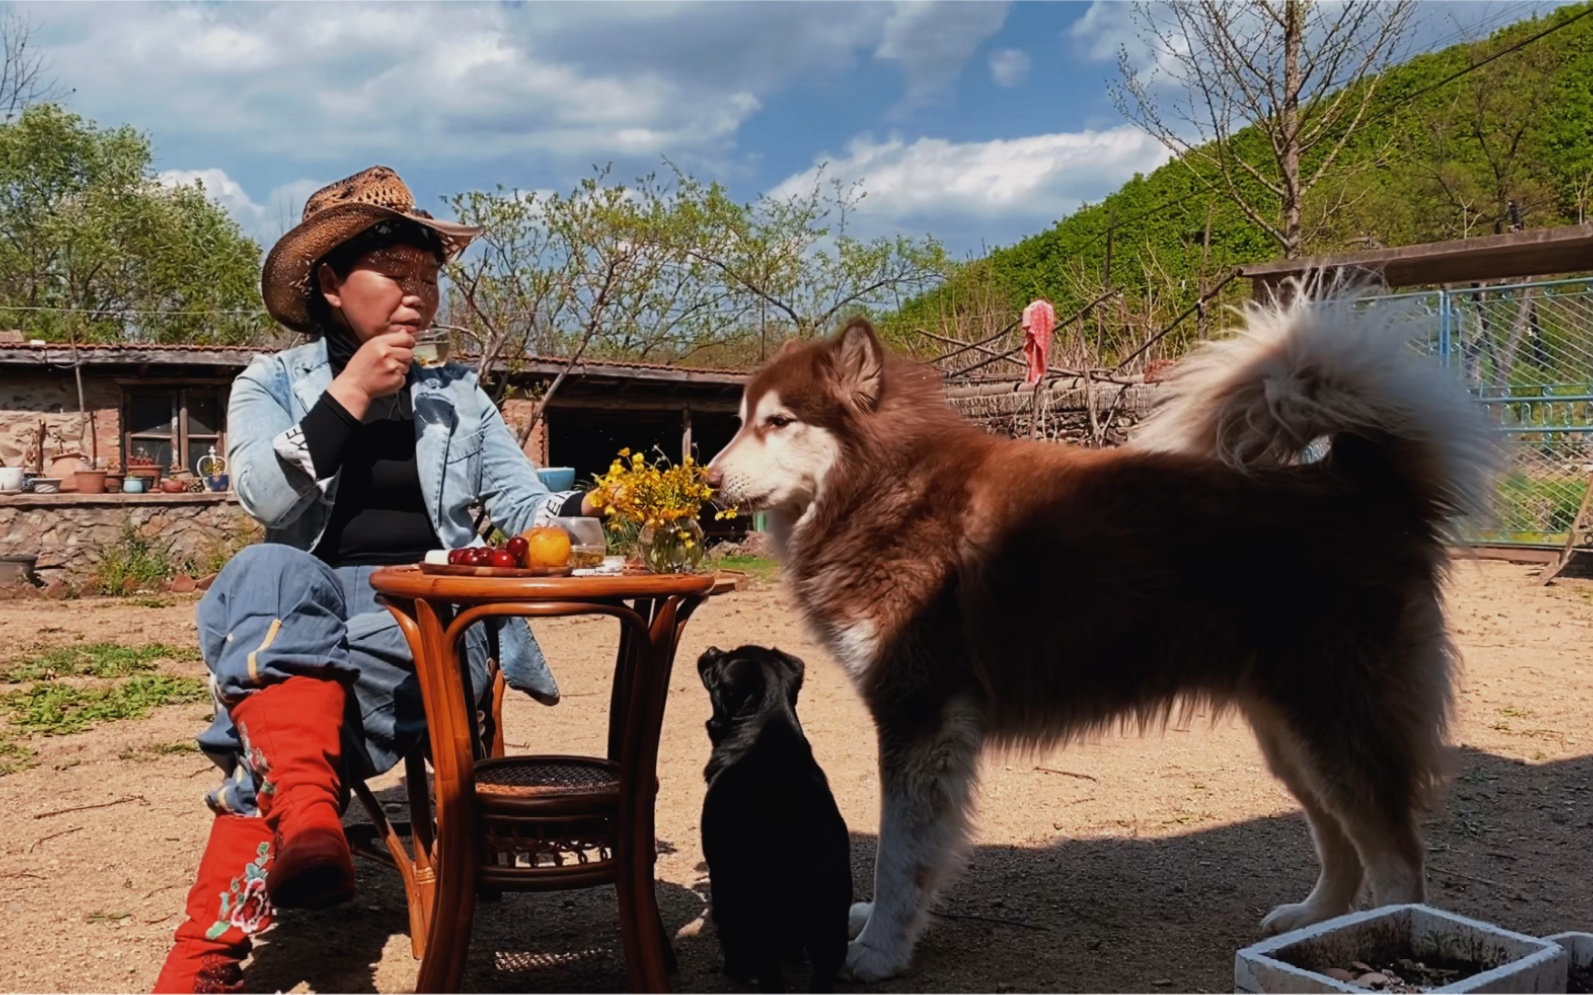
{"points": [[1293, 42]]}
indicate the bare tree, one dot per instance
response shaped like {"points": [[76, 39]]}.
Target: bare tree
{"points": [[604, 270], [799, 259], [1302, 73], [22, 79]]}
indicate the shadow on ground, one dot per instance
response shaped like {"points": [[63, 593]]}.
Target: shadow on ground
{"points": [[1511, 844]]}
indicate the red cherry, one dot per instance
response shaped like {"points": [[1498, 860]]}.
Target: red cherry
{"points": [[481, 556], [504, 558], [460, 557], [518, 548]]}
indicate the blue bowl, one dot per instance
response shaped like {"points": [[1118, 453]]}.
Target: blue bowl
{"points": [[557, 478]]}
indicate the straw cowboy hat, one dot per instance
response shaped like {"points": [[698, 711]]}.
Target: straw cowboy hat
{"points": [[333, 215]]}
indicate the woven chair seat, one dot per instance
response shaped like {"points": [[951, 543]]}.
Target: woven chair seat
{"points": [[542, 777]]}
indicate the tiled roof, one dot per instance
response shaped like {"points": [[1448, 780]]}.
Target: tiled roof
{"points": [[100, 353]]}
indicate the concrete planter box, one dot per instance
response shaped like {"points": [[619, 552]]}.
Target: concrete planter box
{"points": [[1579, 946], [1514, 962]]}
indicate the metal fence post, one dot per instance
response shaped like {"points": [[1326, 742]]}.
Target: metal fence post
{"points": [[1445, 328]]}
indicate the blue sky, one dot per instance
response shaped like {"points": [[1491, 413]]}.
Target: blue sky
{"points": [[979, 122]]}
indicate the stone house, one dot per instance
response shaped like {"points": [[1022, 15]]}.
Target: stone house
{"points": [[168, 403]]}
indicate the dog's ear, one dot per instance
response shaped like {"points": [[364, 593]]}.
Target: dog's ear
{"points": [[859, 363], [794, 669], [786, 348], [710, 665]]}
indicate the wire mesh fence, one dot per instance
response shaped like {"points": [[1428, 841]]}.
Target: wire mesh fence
{"points": [[1526, 353]]}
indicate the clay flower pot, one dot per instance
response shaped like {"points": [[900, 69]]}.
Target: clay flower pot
{"points": [[90, 481]]}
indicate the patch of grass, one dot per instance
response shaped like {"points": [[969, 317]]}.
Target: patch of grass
{"points": [[151, 602], [59, 709], [90, 660], [1536, 509], [135, 561], [139, 560], [155, 751], [760, 568], [215, 555], [99, 917], [14, 757]]}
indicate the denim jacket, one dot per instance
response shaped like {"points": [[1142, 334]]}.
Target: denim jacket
{"points": [[464, 455]]}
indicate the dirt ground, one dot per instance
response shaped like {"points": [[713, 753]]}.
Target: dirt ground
{"points": [[1126, 864]]}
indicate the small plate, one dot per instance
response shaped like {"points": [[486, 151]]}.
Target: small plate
{"points": [[458, 570]]}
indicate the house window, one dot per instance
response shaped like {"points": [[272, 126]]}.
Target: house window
{"points": [[163, 424]]}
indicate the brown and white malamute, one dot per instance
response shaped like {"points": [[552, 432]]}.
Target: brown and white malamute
{"points": [[984, 591]]}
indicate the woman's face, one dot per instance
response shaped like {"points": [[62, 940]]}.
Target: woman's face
{"points": [[388, 290]]}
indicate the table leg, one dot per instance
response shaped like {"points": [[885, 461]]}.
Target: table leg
{"points": [[454, 905], [649, 971]]}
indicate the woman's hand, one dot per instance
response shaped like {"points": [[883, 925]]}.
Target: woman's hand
{"points": [[599, 498], [378, 369]]}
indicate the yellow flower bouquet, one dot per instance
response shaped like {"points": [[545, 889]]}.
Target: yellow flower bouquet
{"points": [[662, 500]]}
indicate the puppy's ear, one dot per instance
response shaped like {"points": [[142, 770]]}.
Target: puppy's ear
{"points": [[795, 669], [859, 363], [710, 665]]}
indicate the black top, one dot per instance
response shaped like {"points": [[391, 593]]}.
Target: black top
{"points": [[379, 517]]}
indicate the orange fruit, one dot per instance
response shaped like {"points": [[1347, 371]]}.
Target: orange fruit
{"points": [[547, 548]]}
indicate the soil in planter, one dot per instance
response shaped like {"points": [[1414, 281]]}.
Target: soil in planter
{"points": [[1396, 973], [1579, 979], [1404, 974]]}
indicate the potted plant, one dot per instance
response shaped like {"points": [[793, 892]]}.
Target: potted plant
{"points": [[142, 465], [662, 501], [91, 479], [113, 478]]}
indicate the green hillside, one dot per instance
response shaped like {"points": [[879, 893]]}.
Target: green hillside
{"points": [[1436, 165]]}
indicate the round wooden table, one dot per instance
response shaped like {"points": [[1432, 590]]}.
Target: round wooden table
{"points": [[493, 812]]}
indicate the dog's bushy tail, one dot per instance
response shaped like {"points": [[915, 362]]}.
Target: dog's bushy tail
{"points": [[1341, 368]]}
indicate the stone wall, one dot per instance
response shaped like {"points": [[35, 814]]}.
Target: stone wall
{"points": [[1083, 412], [68, 532], [51, 397]]}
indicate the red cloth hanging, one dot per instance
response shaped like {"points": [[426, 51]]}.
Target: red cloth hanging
{"points": [[1039, 320]]}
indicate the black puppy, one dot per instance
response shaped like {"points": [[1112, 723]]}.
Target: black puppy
{"points": [[779, 858]]}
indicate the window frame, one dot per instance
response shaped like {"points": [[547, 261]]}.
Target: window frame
{"points": [[180, 439]]}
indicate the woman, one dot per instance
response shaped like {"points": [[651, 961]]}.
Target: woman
{"points": [[352, 458]]}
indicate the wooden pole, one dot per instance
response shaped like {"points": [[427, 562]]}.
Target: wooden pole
{"points": [[82, 408]]}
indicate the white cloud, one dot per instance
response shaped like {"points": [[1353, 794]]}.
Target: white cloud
{"points": [[1103, 30], [264, 221], [1107, 27], [442, 83], [993, 190], [1009, 66], [932, 40]]}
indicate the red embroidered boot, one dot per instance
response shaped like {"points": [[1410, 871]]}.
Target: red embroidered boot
{"points": [[292, 732], [226, 907]]}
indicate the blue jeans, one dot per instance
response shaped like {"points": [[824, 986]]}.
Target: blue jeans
{"points": [[276, 612]]}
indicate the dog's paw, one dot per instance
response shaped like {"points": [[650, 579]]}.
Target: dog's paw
{"points": [[1290, 917], [857, 918], [865, 964]]}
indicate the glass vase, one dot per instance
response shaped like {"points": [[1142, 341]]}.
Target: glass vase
{"points": [[676, 549]]}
